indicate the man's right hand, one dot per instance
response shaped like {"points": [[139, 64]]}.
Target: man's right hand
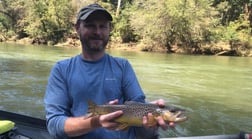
{"points": [[76, 126], [107, 120]]}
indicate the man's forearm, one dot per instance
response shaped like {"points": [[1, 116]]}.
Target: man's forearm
{"points": [[76, 126]]}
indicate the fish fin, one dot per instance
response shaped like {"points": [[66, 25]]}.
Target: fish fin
{"points": [[91, 108], [123, 127]]}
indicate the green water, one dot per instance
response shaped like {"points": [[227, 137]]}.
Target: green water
{"points": [[216, 91]]}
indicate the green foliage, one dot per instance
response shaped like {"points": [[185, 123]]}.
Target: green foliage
{"points": [[4, 24], [49, 19], [11, 12], [180, 24], [171, 22], [151, 27], [238, 30], [123, 30], [230, 10]]}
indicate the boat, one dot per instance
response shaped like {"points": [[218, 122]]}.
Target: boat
{"points": [[242, 135], [27, 127]]}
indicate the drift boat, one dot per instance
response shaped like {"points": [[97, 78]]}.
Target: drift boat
{"points": [[17, 126]]}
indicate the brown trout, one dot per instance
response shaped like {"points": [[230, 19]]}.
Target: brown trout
{"points": [[133, 113]]}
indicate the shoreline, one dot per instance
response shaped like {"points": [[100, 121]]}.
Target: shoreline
{"points": [[217, 49]]}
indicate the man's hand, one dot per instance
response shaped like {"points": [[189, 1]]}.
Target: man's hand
{"points": [[160, 122], [107, 120]]}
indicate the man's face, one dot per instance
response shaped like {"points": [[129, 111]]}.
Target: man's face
{"points": [[94, 32]]}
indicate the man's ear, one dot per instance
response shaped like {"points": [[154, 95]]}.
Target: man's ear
{"points": [[77, 28]]}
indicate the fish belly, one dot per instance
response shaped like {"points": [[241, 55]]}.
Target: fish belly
{"points": [[130, 121]]}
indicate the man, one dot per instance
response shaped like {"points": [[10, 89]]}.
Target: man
{"points": [[93, 75]]}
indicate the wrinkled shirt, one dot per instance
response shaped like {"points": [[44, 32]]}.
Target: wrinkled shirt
{"points": [[73, 82]]}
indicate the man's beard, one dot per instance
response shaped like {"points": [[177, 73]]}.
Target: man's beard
{"points": [[86, 45]]}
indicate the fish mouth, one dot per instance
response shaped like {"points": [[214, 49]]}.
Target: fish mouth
{"points": [[176, 117], [179, 117]]}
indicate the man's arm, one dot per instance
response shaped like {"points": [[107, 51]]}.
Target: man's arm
{"points": [[76, 126]]}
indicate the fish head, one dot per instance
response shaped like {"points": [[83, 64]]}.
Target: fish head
{"points": [[171, 116]]}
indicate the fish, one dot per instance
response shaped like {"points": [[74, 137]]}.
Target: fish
{"points": [[133, 113]]}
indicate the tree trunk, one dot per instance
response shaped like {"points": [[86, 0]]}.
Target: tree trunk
{"points": [[118, 8], [248, 14], [246, 9]]}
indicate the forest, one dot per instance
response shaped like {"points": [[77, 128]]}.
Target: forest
{"points": [[209, 27]]}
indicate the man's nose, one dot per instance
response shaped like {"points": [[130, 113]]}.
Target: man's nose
{"points": [[97, 30]]}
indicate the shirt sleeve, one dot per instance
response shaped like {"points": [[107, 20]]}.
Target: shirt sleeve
{"points": [[131, 86], [56, 102]]}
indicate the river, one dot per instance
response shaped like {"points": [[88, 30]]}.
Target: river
{"points": [[216, 91]]}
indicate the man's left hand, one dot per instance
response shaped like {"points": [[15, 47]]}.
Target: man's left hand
{"points": [[160, 121]]}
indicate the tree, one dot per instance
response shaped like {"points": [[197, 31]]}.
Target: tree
{"points": [[180, 23], [232, 10], [11, 12], [49, 20]]}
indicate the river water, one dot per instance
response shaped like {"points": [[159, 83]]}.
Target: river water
{"points": [[216, 91]]}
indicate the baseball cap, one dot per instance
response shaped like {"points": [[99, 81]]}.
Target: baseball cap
{"points": [[88, 10]]}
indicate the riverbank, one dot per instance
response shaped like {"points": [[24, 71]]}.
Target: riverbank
{"points": [[218, 49]]}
